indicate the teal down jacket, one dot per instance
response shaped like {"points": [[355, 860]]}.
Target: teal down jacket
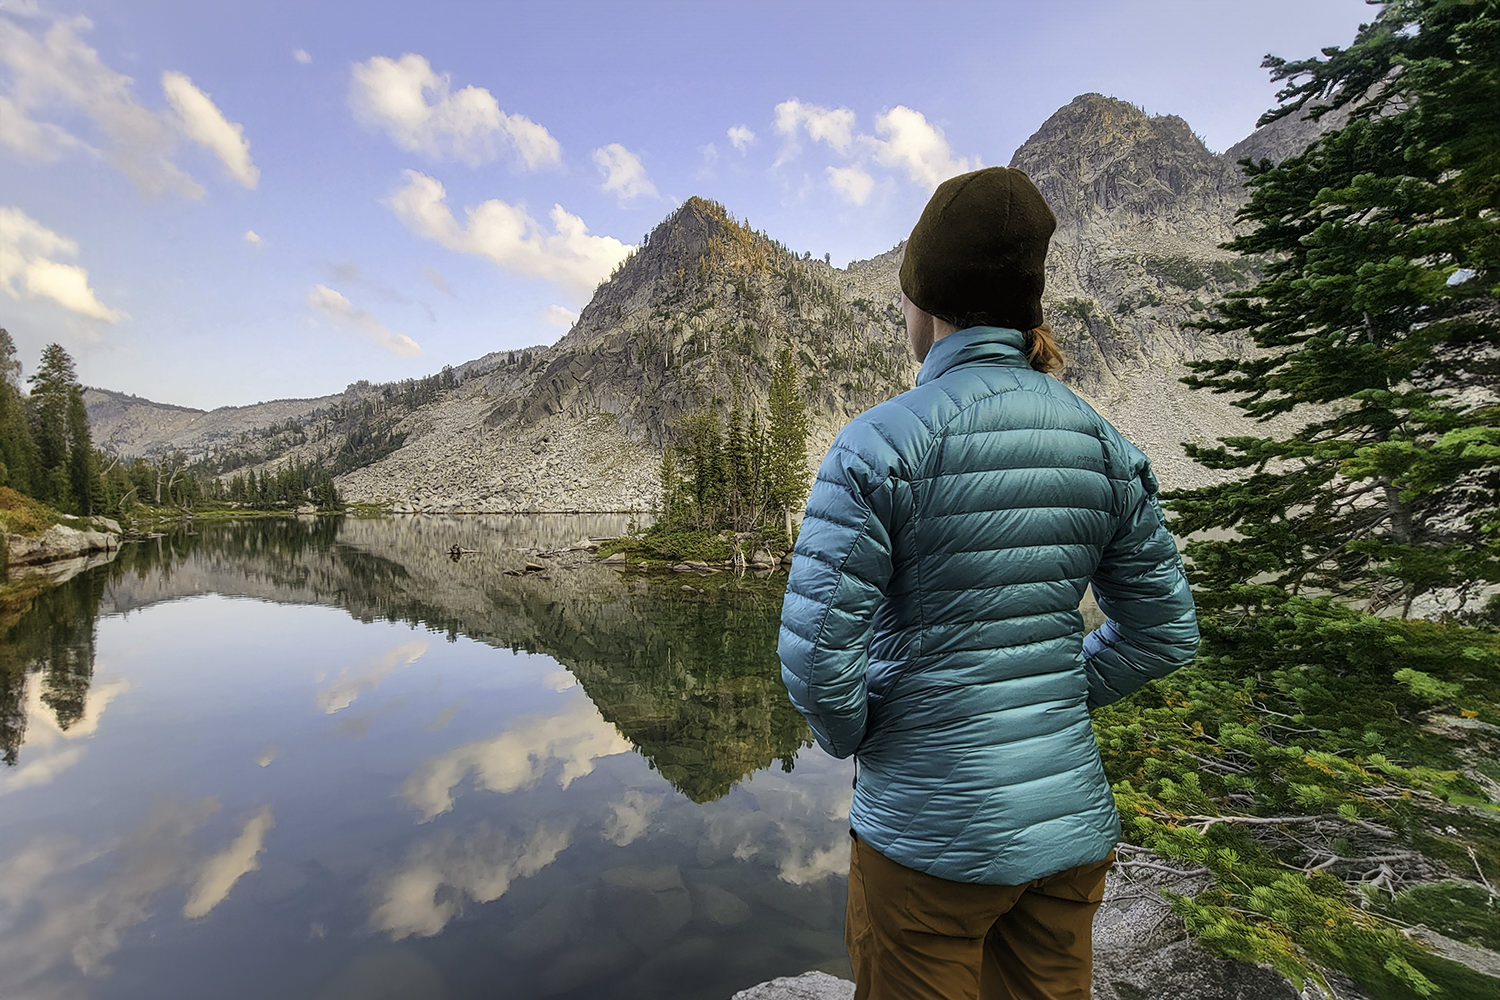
{"points": [[931, 624]]}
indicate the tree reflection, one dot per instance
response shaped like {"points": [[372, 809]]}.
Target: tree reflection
{"points": [[690, 679], [50, 634]]}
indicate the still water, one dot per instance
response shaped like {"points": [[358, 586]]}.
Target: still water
{"points": [[322, 759]]}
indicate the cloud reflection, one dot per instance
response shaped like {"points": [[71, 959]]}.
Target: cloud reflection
{"points": [[800, 828], [518, 757], [223, 870], [630, 818], [55, 916], [430, 887], [341, 693]]}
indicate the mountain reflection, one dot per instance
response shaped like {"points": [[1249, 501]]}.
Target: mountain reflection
{"points": [[689, 679]]}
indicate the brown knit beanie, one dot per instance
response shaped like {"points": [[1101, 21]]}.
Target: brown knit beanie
{"points": [[978, 253]]}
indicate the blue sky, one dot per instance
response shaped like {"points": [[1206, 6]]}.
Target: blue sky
{"points": [[212, 203]]}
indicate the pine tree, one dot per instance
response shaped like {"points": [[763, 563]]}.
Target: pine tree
{"points": [[702, 448], [17, 450], [54, 430], [786, 448], [83, 462], [1376, 317]]}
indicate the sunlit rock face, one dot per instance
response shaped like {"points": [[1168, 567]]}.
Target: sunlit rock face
{"points": [[696, 316]]}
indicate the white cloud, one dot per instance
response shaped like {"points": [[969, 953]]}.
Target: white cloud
{"points": [[202, 121], [28, 270], [301, 56], [834, 126], [509, 236], [220, 872], [343, 313], [740, 137], [909, 141], [562, 318], [58, 78], [518, 758], [623, 172], [852, 183], [416, 107], [253, 238], [33, 140]]}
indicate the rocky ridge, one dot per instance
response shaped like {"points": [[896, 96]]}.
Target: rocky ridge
{"points": [[695, 317]]}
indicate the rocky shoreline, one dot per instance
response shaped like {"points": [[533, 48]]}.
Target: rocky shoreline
{"points": [[61, 542]]}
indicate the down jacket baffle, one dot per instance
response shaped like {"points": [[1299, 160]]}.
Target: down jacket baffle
{"points": [[931, 624]]}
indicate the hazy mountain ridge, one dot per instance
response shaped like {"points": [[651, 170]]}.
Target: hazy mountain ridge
{"points": [[696, 315]]}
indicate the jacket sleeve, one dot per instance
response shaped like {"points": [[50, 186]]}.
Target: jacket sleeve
{"points": [[840, 572], [1151, 627]]}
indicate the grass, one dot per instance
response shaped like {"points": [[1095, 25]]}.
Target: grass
{"points": [[21, 515]]}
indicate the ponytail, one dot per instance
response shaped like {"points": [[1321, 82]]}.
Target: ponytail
{"points": [[1042, 351]]}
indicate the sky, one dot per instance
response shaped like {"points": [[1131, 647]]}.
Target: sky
{"points": [[213, 203]]}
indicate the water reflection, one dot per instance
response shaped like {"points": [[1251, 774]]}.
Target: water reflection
{"points": [[691, 682], [585, 791]]}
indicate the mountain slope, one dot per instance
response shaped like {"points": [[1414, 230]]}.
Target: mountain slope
{"points": [[695, 317]]}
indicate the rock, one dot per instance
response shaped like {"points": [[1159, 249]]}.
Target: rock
{"points": [[808, 986], [646, 905], [58, 542], [718, 906], [618, 559], [387, 975], [535, 567]]}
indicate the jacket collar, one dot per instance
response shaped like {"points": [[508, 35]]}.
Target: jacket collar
{"points": [[992, 345]]}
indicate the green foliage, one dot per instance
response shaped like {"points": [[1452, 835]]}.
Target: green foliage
{"points": [[743, 477], [1291, 764], [1380, 249], [1079, 309], [64, 466], [1461, 910], [1181, 271], [664, 542], [21, 515], [787, 448], [17, 449]]}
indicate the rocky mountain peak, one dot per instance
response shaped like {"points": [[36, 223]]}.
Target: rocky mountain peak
{"points": [[699, 235], [1104, 162]]}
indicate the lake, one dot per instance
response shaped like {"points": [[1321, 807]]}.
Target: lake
{"points": [[321, 758]]}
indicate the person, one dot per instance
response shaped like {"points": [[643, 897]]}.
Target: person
{"points": [[931, 625]]}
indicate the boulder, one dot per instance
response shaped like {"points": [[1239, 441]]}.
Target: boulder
{"points": [[58, 542], [808, 986]]}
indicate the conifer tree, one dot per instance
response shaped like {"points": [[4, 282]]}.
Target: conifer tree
{"points": [[17, 451], [786, 449], [59, 426], [83, 463], [1377, 318]]}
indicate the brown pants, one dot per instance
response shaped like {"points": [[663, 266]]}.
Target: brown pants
{"points": [[912, 936]]}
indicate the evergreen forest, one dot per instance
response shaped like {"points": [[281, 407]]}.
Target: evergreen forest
{"points": [[48, 455]]}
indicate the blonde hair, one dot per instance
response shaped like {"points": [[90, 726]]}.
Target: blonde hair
{"points": [[1042, 351]]}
